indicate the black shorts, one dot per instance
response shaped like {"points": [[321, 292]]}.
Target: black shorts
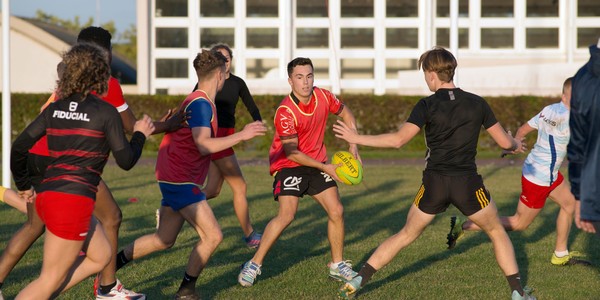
{"points": [[437, 192], [300, 181]]}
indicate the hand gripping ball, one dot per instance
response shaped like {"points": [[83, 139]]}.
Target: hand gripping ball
{"points": [[351, 171]]}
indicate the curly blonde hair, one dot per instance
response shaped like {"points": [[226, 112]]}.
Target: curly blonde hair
{"points": [[208, 61], [85, 68]]}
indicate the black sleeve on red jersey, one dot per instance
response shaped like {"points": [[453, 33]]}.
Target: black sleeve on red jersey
{"points": [[127, 157], [489, 119], [418, 114], [20, 148], [249, 101]]}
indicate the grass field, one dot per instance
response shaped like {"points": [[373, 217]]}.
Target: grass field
{"points": [[296, 266]]}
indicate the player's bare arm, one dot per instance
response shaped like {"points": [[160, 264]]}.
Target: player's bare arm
{"points": [[207, 144], [348, 118], [505, 140], [290, 146], [128, 120], [386, 140]]}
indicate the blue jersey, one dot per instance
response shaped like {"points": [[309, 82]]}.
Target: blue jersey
{"points": [[544, 160]]}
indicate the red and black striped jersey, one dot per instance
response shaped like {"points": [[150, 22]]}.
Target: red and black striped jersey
{"points": [[81, 132]]}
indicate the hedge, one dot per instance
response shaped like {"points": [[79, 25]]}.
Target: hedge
{"points": [[374, 114]]}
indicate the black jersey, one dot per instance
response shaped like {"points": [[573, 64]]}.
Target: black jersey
{"points": [[81, 133], [226, 100], [452, 119]]}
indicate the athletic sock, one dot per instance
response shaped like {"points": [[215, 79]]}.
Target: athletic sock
{"points": [[515, 283], [561, 253], [122, 260], [188, 285], [366, 272], [105, 289]]}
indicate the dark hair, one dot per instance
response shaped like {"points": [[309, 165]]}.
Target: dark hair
{"points": [[86, 69], [298, 61], [207, 61], [440, 61], [567, 84], [96, 35], [219, 46]]}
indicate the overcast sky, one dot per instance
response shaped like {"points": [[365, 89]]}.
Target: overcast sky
{"points": [[122, 12]]}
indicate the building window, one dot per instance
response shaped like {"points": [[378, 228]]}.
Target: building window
{"points": [[171, 37], [262, 38], [321, 68], [443, 8], [587, 37], [212, 8], [312, 38], [209, 36], [402, 37], [497, 9], [312, 9], [443, 37], [357, 68], [588, 8], [171, 68], [542, 8], [392, 66], [171, 8], [497, 38], [357, 8], [262, 8], [357, 38], [542, 37], [402, 8], [261, 68]]}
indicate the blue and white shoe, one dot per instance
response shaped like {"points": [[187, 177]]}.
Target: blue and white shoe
{"points": [[253, 240], [248, 273], [349, 290], [343, 272]]}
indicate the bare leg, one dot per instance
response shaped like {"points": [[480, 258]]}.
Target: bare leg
{"points": [[563, 197], [201, 217], [330, 201], [20, 242], [164, 237], [520, 221], [109, 214], [487, 219], [416, 222], [288, 205], [212, 189], [231, 172]]}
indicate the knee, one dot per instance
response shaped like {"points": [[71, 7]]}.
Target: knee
{"points": [[163, 244], [336, 213], [214, 238], [286, 218], [112, 219]]}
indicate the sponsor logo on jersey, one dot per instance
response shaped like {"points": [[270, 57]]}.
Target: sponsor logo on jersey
{"points": [[287, 124], [70, 115]]}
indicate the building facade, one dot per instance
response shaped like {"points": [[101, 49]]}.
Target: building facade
{"points": [[368, 46]]}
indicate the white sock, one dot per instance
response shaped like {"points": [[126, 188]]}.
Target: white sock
{"points": [[334, 265], [561, 253]]}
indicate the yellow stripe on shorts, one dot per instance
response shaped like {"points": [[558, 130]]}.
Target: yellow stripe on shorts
{"points": [[419, 195], [481, 197]]}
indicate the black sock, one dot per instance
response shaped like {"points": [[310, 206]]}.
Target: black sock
{"points": [[122, 260], [105, 289], [515, 283], [188, 285], [1, 283], [366, 272]]}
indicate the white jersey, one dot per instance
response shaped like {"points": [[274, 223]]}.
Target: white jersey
{"points": [[544, 160]]}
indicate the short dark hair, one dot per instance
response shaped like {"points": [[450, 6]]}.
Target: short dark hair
{"points": [[208, 61], [96, 35], [298, 61], [567, 84], [220, 46], [440, 61]]}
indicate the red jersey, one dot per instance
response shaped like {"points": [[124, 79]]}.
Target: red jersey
{"points": [[307, 122], [114, 96], [179, 160]]}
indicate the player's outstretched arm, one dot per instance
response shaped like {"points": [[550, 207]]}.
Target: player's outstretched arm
{"points": [[387, 140], [207, 144], [11, 198], [171, 121], [290, 146], [505, 140], [350, 121]]}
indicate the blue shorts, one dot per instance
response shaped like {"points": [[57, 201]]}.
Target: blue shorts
{"points": [[178, 196]]}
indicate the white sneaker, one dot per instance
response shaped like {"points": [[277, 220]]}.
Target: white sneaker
{"points": [[119, 292], [1, 297]]}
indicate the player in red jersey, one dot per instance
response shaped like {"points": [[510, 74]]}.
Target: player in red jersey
{"points": [[181, 169], [106, 210], [298, 160], [82, 130]]}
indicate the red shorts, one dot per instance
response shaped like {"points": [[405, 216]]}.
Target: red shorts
{"points": [[533, 195], [221, 132], [65, 215]]}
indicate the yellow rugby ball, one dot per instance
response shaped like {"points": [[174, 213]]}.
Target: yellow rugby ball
{"points": [[351, 171]]}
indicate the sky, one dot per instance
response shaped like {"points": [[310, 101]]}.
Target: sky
{"points": [[122, 12]]}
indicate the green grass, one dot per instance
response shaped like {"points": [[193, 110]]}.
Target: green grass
{"points": [[296, 266]]}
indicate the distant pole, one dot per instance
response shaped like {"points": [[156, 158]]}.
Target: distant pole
{"points": [[97, 21], [454, 32], [6, 122]]}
